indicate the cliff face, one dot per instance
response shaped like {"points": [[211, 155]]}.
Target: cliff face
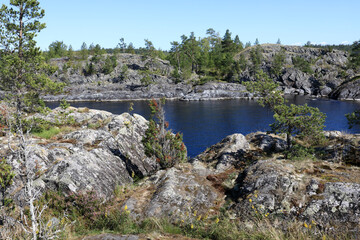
{"points": [[303, 71]]}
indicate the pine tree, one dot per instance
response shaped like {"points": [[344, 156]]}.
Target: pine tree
{"points": [[84, 51], [23, 76], [303, 121]]}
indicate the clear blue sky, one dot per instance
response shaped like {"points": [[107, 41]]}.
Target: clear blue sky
{"points": [[104, 22]]}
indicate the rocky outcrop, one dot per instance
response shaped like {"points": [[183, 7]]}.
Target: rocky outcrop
{"points": [[107, 151], [349, 90], [217, 91], [248, 173], [225, 154], [136, 77], [273, 186], [327, 69], [175, 192], [321, 192]]}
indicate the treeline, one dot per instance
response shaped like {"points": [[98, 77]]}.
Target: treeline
{"points": [[207, 58], [328, 47]]}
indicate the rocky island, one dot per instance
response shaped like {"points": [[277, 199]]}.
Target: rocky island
{"points": [[302, 70]]}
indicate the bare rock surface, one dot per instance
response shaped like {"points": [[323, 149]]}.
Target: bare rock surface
{"points": [[87, 159]]}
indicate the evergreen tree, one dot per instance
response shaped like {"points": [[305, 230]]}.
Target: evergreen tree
{"points": [[6, 180], [150, 50], [353, 118], [278, 62], [355, 55], [228, 49], [57, 49], [122, 45], [248, 44], [303, 121], [239, 45], [23, 76], [256, 42], [256, 58], [166, 147], [70, 53], [130, 48], [84, 51], [278, 41]]}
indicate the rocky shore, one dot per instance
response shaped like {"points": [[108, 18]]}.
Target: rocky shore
{"points": [[327, 76], [241, 174]]}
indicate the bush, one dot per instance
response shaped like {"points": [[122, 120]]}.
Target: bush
{"points": [[110, 65], [302, 64], [299, 152]]}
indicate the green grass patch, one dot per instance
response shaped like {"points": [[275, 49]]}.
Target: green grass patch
{"points": [[48, 133]]}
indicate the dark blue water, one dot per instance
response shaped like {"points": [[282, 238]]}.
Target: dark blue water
{"points": [[207, 122]]}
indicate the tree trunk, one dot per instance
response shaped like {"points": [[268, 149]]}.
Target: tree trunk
{"points": [[288, 141]]}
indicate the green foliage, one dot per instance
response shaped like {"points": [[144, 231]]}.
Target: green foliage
{"points": [[211, 56], [278, 62], [166, 147], [89, 69], [304, 121], [146, 78], [48, 133], [57, 49], [22, 67], [302, 64], [301, 120], [6, 179], [84, 51], [242, 62], [355, 55], [266, 89], [256, 58], [110, 64], [353, 118], [300, 152], [64, 104], [124, 72]]}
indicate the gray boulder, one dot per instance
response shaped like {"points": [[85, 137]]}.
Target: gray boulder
{"points": [[173, 193], [227, 153]]}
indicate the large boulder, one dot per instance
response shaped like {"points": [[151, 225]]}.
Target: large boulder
{"points": [[349, 90], [175, 192]]}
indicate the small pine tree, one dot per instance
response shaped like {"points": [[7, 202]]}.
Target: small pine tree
{"points": [[166, 147], [303, 121], [353, 118]]}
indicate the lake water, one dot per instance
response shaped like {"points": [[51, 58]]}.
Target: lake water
{"points": [[204, 123]]}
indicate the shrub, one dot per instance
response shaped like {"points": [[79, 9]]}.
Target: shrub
{"points": [[302, 64]]}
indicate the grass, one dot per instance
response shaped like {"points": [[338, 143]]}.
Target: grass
{"points": [[49, 133]]}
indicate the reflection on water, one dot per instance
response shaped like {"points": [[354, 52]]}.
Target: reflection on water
{"points": [[204, 123]]}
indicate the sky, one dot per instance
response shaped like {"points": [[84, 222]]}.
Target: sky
{"points": [[104, 22]]}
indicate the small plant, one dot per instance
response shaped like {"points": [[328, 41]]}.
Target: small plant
{"points": [[64, 104]]}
